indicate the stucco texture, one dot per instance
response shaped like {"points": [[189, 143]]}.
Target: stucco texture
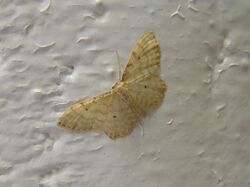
{"points": [[53, 53]]}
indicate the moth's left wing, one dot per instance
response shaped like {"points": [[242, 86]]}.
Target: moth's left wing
{"points": [[107, 113], [87, 115], [121, 118]]}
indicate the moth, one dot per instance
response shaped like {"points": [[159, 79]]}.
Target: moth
{"points": [[139, 91]]}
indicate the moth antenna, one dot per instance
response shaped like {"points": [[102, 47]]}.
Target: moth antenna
{"points": [[119, 65], [141, 128]]}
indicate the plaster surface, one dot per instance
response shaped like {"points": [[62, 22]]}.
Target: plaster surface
{"points": [[53, 53]]}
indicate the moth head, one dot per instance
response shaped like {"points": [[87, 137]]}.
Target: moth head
{"points": [[118, 85]]}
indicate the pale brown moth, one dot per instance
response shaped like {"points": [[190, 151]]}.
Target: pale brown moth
{"points": [[139, 92]]}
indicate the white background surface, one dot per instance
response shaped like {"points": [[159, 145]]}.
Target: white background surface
{"points": [[53, 53]]}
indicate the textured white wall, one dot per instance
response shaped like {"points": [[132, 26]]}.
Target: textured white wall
{"points": [[53, 53]]}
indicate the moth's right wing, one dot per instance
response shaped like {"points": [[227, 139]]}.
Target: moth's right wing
{"points": [[144, 58], [144, 94], [143, 87]]}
